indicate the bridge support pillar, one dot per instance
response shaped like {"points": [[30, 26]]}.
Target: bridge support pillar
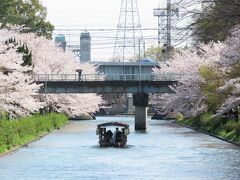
{"points": [[130, 107], [141, 102]]}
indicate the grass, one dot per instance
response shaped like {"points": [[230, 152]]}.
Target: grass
{"points": [[221, 126], [19, 132]]}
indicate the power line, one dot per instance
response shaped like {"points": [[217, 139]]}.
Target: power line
{"points": [[104, 38], [104, 29]]}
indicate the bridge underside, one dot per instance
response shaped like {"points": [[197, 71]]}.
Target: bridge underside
{"points": [[105, 87], [140, 92]]}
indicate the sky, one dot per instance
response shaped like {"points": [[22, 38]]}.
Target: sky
{"points": [[86, 14], [91, 13]]}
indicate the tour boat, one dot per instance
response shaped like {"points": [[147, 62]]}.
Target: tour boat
{"points": [[118, 138]]}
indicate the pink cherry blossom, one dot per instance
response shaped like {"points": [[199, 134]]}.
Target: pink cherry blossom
{"points": [[19, 94]]}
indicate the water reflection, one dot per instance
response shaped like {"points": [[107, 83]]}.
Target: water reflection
{"points": [[141, 132], [166, 151]]}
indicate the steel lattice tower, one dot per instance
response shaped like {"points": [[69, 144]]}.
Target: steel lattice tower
{"points": [[129, 33], [165, 17]]}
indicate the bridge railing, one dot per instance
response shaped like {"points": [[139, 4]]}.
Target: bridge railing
{"points": [[103, 77], [68, 77]]}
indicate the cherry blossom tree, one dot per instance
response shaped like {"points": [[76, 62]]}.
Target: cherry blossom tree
{"points": [[230, 65], [213, 66], [16, 84], [188, 98], [18, 92]]}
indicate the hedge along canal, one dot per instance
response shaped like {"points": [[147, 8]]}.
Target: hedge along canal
{"points": [[16, 133], [219, 127]]}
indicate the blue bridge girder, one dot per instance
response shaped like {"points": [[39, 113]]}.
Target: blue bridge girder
{"points": [[104, 84], [106, 87]]}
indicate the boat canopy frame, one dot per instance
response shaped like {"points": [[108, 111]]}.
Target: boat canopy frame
{"points": [[113, 124]]}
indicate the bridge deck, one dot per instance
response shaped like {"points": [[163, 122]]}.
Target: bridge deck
{"points": [[66, 83]]}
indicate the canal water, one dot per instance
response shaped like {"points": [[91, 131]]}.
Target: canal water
{"points": [[165, 151]]}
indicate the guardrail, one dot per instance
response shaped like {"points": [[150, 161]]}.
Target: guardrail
{"points": [[104, 77]]}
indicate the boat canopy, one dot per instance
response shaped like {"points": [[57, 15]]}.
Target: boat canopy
{"points": [[113, 124]]}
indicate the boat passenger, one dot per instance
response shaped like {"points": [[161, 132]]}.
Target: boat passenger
{"points": [[118, 137], [108, 136], [113, 140], [103, 132]]}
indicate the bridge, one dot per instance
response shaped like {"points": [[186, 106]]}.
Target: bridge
{"points": [[140, 85], [143, 66]]}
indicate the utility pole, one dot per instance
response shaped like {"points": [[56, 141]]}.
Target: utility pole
{"points": [[139, 49], [169, 18], [144, 49], [129, 31]]}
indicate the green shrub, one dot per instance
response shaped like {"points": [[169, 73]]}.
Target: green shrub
{"points": [[220, 126], [4, 115], [233, 125], [9, 135], [231, 135], [215, 123], [3, 147], [196, 122], [19, 132], [230, 126], [222, 133], [206, 118], [238, 129]]}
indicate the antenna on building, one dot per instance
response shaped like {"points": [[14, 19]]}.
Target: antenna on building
{"points": [[129, 31]]}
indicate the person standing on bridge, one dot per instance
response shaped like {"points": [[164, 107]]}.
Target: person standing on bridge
{"points": [[79, 74]]}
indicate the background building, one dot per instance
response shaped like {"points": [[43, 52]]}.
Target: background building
{"points": [[60, 39], [85, 47]]}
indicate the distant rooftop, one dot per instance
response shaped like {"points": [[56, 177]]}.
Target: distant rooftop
{"points": [[85, 34], [115, 63]]}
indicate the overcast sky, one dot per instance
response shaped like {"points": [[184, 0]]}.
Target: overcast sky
{"points": [[91, 13], [98, 14]]}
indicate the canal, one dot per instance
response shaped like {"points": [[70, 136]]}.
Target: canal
{"points": [[165, 151]]}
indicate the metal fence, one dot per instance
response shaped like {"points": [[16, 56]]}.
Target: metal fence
{"points": [[104, 77]]}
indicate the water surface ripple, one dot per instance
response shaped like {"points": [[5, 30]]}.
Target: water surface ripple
{"points": [[165, 151]]}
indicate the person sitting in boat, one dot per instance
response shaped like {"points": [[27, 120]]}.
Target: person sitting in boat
{"points": [[109, 135], [118, 137], [115, 136]]}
